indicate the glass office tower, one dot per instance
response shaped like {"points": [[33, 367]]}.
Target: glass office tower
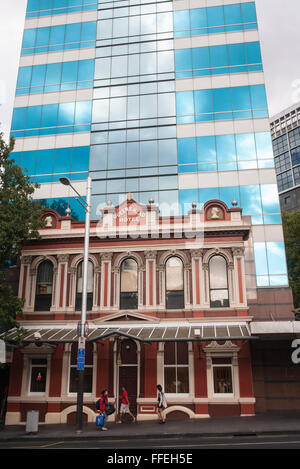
{"points": [[285, 132], [163, 99]]}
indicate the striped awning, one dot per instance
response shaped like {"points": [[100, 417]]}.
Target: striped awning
{"points": [[143, 333]]}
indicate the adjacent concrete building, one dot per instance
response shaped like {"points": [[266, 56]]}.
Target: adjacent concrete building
{"points": [[285, 132]]}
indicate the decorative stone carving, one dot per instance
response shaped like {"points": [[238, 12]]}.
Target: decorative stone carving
{"points": [[214, 346], [238, 251], [49, 221], [215, 213], [150, 254], [196, 252], [63, 257], [106, 256], [26, 259]]}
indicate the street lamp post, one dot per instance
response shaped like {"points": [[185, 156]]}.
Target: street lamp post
{"points": [[81, 335]]}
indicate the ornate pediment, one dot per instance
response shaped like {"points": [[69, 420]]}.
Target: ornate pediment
{"points": [[127, 316], [216, 347]]}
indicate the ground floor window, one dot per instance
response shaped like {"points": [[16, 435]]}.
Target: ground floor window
{"points": [[38, 374], [176, 369], [222, 376], [88, 369]]}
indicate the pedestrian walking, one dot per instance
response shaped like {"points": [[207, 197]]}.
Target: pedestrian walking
{"points": [[102, 407], [161, 404], [124, 408]]}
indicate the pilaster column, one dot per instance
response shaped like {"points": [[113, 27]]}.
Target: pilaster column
{"points": [[197, 276], [150, 278], [24, 281], [231, 284], [160, 363], [106, 268], [63, 260], [204, 286], [96, 295], [72, 290], [239, 276], [161, 285], [187, 286], [141, 273], [116, 300]]}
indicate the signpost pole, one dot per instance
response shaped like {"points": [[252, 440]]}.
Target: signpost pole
{"points": [[81, 337]]}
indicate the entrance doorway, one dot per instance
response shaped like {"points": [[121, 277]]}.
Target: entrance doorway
{"points": [[128, 371]]}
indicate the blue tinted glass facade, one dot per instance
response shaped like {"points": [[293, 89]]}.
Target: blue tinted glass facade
{"points": [[51, 164], [225, 152], [259, 201], [51, 119], [62, 203], [218, 60], [216, 19], [239, 102], [38, 8], [55, 77], [58, 38]]}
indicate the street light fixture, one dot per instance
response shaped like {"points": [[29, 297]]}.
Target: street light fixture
{"points": [[81, 336]]}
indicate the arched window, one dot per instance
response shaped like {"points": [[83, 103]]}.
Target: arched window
{"points": [[79, 286], [218, 282], [174, 283], [129, 284], [44, 286]]}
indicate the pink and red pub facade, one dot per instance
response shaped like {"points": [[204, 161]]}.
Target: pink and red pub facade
{"points": [[171, 301]]}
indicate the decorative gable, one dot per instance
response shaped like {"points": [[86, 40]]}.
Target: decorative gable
{"points": [[126, 316]]}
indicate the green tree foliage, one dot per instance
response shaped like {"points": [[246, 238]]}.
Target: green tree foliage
{"points": [[291, 229], [19, 222]]}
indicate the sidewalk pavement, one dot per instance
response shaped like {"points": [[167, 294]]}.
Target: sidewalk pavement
{"points": [[267, 423]]}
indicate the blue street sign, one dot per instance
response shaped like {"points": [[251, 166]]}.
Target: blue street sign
{"points": [[80, 359]]}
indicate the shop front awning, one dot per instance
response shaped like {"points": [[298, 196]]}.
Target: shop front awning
{"points": [[144, 333]]}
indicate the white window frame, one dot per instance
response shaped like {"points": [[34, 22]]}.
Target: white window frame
{"points": [[172, 394], [46, 366], [225, 365]]}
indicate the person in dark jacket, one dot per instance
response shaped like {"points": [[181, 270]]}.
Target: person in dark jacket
{"points": [[102, 409]]}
